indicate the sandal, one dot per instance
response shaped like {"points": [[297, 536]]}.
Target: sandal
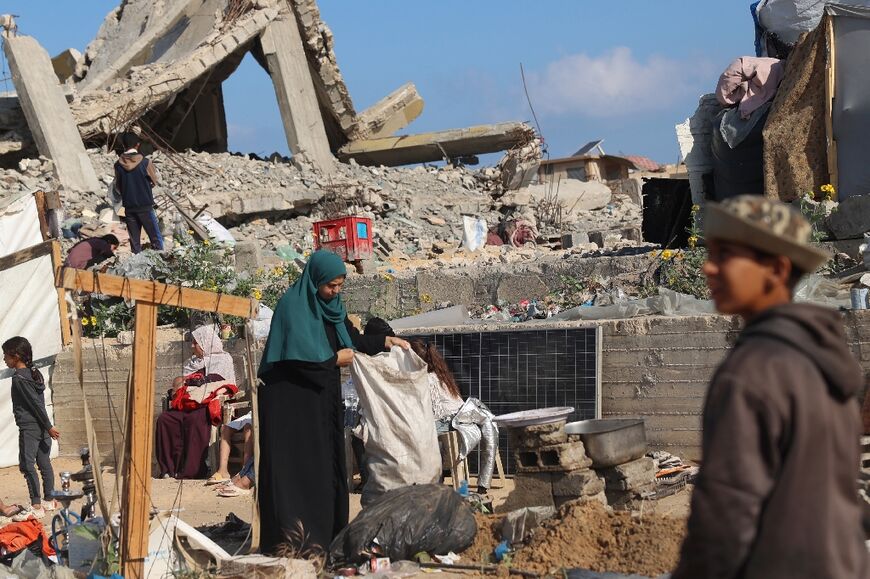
{"points": [[216, 479], [231, 491], [15, 509]]}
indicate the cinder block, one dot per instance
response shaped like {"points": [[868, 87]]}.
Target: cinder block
{"points": [[577, 483], [555, 458], [538, 435]]}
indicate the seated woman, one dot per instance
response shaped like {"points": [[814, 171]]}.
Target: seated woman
{"points": [[182, 434], [471, 417], [443, 390]]}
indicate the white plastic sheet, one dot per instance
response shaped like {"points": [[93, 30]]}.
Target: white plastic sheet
{"points": [[28, 307], [473, 233], [400, 440]]}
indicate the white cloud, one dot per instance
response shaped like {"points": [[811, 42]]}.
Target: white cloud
{"points": [[615, 84]]}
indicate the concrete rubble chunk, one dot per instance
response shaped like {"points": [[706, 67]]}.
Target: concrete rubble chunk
{"points": [[98, 113], [392, 113], [48, 114], [577, 483], [65, 64], [851, 219], [631, 475], [294, 88], [332, 92], [128, 37], [430, 147], [573, 195]]}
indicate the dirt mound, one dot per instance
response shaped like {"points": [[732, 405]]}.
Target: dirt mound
{"points": [[488, 536], [588, 536]]}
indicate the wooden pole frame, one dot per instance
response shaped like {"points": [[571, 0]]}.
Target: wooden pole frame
{"points": [[148, 295], [830, 95]]}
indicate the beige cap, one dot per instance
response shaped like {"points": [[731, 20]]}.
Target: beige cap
{"points": [[766, 225]]}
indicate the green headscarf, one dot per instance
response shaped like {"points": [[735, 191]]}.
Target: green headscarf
{"points": [[297, 331]]}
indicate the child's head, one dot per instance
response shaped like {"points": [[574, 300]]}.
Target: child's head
{"points": [[130, 141], [111, 240], [17, 353], [437, 365], [758, 250], [378, 327]]}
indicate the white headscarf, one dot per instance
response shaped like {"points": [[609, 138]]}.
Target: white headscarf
{"points": [[214, 359]]}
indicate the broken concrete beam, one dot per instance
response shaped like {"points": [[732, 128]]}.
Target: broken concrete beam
{"points": [[294, 88], [97, 113], [48, 114], [332, 92], [129, 36], [558, 457], [537, 435], [65, 64], [438, 146], [392, 113]]}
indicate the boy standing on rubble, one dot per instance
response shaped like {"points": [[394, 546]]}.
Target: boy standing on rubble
{"points": [[776, 495], [135, 179]]}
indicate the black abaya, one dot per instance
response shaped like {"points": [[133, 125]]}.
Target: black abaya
{"points": [[302, 481]]}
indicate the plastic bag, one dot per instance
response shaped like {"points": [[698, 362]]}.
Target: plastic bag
{"points": [[473, 233], [262, 322], [431, 518], [400, 440], [216, 231]]}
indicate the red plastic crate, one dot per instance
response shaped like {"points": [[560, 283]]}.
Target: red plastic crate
{"points": [[349, 237]]}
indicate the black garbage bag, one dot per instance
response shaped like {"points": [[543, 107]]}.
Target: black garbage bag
{"points": [[406, 521]]}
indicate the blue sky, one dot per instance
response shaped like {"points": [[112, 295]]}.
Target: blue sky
{"points": [[626, 71]]}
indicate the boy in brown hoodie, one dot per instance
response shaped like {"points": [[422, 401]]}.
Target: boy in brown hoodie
{"points": [[135, 178], [776, 495]]}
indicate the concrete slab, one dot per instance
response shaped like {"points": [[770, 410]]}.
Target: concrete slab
{"points": [[65, 63], [392, 113], [429, 147], [294, 88], [48, 114]]}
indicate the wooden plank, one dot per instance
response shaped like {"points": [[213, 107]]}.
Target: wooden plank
{"points": [[57, 263], [39, 197], [155, 292], [137, 480], [25, 255], [830, 95]]}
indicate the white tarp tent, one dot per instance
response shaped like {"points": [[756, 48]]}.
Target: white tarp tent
{"points": [[28, 307]]}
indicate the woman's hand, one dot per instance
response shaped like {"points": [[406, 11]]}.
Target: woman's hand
{"points": [[393, 341], [345, 358]]}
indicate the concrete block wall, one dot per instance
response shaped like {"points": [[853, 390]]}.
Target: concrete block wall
{"points": [[656, 368], [392, 297], [106, 373]]}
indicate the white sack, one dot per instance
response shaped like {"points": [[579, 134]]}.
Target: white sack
{"points": [[473, 233], [400, 441]]}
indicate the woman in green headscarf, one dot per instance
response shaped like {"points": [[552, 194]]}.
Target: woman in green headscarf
{"points": [[302, 481]]}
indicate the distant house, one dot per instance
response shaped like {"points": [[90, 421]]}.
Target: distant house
{"points": [[591, 163]]}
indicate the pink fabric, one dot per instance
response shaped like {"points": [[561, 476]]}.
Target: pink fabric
{"points": [[749, 82]]}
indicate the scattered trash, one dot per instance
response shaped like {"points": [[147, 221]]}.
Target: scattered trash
{"points": [[431, 518]]}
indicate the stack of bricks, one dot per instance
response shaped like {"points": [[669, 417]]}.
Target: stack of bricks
{"points": [[550, 469], [626, 485]]}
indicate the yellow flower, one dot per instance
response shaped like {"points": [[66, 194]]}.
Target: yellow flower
{"points": [[829, 191], [257, 294], [190, 231], [278, 271], [206, 242], [259, 271], [93, 320], [667, 254], [426, 299], [85, 321], [696, 208], [693, 241]]}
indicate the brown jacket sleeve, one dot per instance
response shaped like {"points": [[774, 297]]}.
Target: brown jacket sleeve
{"points": [[152, 173], [742, 432]]}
